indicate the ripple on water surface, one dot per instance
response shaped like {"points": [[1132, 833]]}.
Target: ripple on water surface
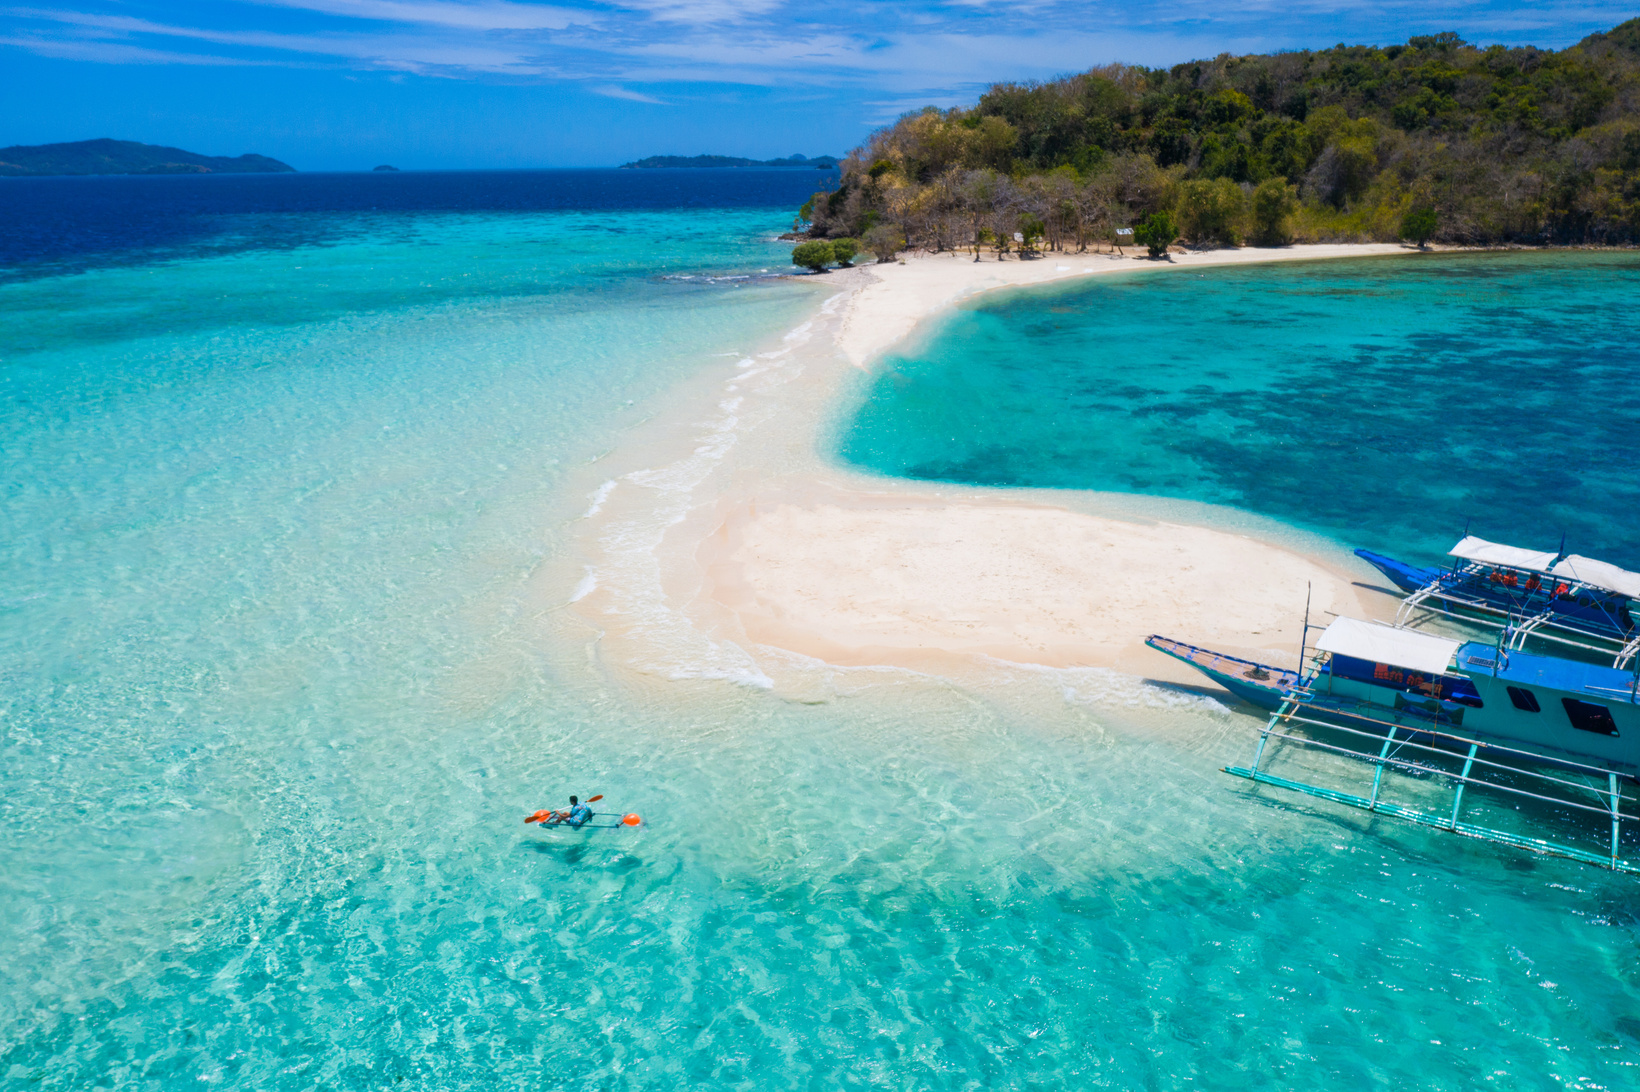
{"points": [[1382, 401], [276, 700]]}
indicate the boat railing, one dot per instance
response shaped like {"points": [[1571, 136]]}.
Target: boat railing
{"points": [[1627, 653], [1430, 598], [1484, 766]]}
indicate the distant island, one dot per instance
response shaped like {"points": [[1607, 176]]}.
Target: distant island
{"points": [[823, 162], [126, 157], [386, 167]]}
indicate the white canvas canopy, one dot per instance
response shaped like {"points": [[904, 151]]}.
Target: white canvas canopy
{"points": [[1574, 567], [1598, 574], [1471, 548], [1383, 644]]}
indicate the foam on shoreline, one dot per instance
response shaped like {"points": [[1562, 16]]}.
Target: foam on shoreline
{"points": [[728, 547]]}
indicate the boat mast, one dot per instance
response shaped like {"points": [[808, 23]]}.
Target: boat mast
{"points": [[1305, 635]]}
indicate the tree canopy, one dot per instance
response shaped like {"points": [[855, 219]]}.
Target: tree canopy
{"points": [[1503, 144]]}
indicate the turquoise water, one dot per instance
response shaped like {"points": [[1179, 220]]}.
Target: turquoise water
{"points": [[1383, 402], [277, 692]]}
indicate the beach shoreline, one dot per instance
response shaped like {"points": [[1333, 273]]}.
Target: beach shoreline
{"points": [[900, 296], [733, 548]]}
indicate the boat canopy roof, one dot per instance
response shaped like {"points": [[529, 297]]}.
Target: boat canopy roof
{"points": [[1383, 644], [1471, 548], [1599, 574], [1573, 567]]}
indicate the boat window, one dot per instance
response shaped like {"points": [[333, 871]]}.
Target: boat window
{"points": [[1459, 689], [1586, 716], [1524, 699]]}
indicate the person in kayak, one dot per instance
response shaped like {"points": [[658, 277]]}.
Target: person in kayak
{"points": [[578, 814]]}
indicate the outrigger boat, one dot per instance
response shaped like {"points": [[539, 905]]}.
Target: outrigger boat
{"points": [[1551, 596], [1533, 727]]}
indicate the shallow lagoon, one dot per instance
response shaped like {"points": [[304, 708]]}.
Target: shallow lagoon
{"points": [[276, 699]]}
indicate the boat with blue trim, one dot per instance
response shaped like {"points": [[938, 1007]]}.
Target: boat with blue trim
{"points": [[1254, 683], [1538, 594], [1539, 729], [1385, 674]]}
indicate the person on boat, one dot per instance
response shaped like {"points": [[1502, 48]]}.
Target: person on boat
{"points": [[578, 814]]}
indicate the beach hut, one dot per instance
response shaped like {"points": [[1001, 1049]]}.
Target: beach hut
{"points": [[1124, 237]]}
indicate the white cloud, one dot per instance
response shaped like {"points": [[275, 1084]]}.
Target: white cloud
{"points": [[702, 12], [484, 15], [407, 52], [940, 52], [615, 91], [102, 52]]}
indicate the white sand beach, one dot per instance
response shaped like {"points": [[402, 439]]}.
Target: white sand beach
{"points": [[750, 544], [863, 578], [898, 297]]}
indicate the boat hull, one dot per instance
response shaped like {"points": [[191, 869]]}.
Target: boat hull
{"points": [[1525, 701], [1240, 677], [1409, 578]]}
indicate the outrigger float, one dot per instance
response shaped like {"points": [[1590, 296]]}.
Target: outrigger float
{"points": [[1535, 594], [1556, 741]]}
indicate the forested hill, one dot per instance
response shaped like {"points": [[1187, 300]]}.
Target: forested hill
{"points": [[1501, 144], [106, 156]]}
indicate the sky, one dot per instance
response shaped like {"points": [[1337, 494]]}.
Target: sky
{"points": [[448, 84]]}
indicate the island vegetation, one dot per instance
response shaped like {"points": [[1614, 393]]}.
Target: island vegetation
{"points": [[823, 162], [1436, 139], [106, 156]]}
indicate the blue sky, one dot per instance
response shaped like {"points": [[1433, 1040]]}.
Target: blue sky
{"points": [[347, 84]]}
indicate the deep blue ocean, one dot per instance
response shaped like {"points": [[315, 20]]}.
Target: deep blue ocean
{"points": [[287, 456], [51, 225]]}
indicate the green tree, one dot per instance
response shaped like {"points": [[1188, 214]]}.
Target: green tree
{"points": [[991, 143], [1418, 224], [1521, 144], [885, 241], [1212, 211], [815, 255], [1032, 228], [1274, 203], [1157, 233], [844, 250]]}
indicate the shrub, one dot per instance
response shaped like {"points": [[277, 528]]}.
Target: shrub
{"points": [[1212, 211], [1157, 233], [1418, 224], [885, 241], [1033, 229], [813, 255], [844, 250], [1274, 203]]}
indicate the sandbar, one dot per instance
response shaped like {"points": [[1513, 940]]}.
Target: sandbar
{"points": [[854, 577], [731, 540]]}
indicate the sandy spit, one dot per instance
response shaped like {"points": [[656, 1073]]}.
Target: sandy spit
{"points": [[858, 578], [732, 541], [910, 577], [898, 297]]}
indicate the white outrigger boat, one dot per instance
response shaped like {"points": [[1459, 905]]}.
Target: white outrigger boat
{"points": [[1542, 732], [1538, 595]]}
